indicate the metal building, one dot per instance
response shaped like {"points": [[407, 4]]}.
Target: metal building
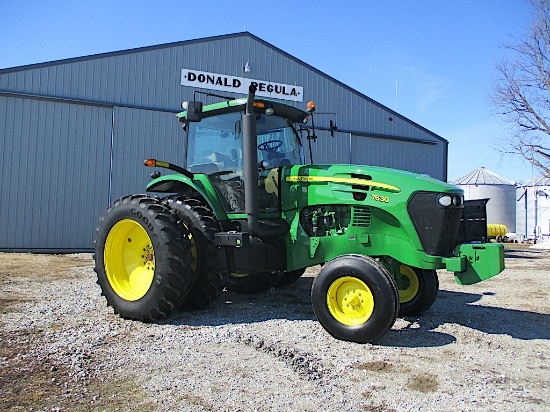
{"points": [[74, 132], [533, 215], [482, 184]]}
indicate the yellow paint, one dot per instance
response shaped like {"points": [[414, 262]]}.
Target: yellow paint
{"points": [[408, 294], [351, 181], [350, 301], [129, 260]]}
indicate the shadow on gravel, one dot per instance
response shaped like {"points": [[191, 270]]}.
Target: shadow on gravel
{"points": [[291, 303], [459, 308], [294, 303], [524, 254]]}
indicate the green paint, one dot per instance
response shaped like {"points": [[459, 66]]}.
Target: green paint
{"points": [[334, 210], [201, 183]]}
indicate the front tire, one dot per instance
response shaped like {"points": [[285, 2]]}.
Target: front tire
{"points": [[142, 260], [355, 298], [418, 290]]}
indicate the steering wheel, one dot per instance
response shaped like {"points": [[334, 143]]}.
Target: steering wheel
{"points": [[270, 145]]}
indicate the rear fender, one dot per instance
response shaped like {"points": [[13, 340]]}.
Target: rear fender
{"points": [[176, 183]]}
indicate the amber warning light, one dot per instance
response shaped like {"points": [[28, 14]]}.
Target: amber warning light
{"points": [[310, 107], [150, 162]]}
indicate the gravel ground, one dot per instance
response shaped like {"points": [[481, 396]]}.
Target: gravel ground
{"points": [[482, 347]]}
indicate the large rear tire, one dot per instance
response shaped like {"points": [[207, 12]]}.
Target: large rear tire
{"points": [[418, 290], [200, 226], [142, 259], [355, 298]]}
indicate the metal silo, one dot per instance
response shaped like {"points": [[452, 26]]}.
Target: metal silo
{"points": [[483, 184]]}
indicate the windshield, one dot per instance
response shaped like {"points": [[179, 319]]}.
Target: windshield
{"points": [[215, 144], [215, 147]]}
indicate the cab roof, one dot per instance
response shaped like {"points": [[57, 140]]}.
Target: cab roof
{"points": [[260, 105]]}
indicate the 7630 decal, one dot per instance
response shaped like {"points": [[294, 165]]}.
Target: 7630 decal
{"points": [[378, 198]]}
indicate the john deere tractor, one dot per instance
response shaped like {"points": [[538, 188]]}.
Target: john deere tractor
{"points": [[246, 213]]}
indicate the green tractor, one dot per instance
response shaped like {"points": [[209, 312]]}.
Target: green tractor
{"points": [[247, 214]]}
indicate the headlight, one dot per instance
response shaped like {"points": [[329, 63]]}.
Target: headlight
{"points": [[445, 200]]}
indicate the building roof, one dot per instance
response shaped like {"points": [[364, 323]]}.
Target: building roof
{"points": [[482, 176], [540, 180], [222, 37]]}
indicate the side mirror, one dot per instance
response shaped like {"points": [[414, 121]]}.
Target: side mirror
{"points": [[193, 111]]}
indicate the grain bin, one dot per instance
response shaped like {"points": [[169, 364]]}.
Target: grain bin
{"points": [[481, 184]]}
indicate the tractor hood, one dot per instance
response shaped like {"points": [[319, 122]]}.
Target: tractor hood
{"points": [[370, 185]]}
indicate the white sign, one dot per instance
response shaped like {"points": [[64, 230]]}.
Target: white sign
{"points": [[233, 84]]}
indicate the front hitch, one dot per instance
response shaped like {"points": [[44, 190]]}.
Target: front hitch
{"points": [[474, 262]]}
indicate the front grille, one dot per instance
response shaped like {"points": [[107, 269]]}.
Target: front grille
{"points": [[436, 226], [360, 217]]}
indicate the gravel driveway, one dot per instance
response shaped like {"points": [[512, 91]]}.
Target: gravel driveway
{"points": [[482, 347]]}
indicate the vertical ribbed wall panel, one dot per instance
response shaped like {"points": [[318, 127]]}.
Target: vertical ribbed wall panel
{"points": [[139, 135], [54, 173], [414, 157]]}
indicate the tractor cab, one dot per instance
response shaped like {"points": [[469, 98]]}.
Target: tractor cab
{"points": [[215, 147]]}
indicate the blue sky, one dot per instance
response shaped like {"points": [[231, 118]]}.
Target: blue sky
{"points": [[441, 53]]}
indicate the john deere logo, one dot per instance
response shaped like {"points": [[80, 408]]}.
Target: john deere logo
{"points": [[233, 84]]}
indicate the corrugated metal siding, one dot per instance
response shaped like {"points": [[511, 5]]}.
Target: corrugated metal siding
{"points": [[54, 173], [144, 87], [411, 156], [329, 150], [139, 135], [541, 208]]}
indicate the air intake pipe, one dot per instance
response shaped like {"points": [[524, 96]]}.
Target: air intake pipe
{"points": [[251, 205]]}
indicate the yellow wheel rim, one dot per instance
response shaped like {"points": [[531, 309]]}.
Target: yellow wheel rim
{"points": [[194, 253], [129, 260], [408, 284], [350, 301]]}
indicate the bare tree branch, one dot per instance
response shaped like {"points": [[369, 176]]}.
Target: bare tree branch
{"points": [[521, 91]]}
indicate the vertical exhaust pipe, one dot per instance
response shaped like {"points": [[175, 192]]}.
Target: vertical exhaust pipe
{"points": [[251, 203], [250, 143]]}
